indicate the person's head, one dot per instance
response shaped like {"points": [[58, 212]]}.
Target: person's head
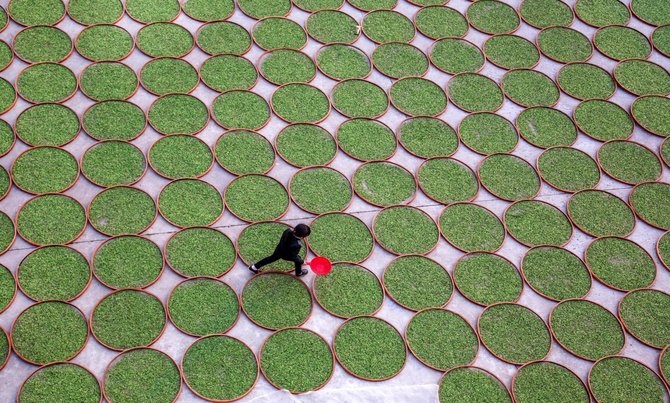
{"points": [[301, 230]]}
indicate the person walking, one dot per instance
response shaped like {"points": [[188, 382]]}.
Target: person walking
{"points": [[288, 248]]}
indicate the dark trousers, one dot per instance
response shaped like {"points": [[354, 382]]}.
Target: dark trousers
{"points": [[297, 261]]}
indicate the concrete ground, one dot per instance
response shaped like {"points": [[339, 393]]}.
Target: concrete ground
{"points": [[416, 382]]}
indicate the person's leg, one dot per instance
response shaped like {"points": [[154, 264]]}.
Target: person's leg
{"points": [[298, 262], [263, 262]]}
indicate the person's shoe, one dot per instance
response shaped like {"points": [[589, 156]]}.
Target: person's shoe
{"points": [[302, 273], [253, 269]]}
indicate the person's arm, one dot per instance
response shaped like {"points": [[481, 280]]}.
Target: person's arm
{"points": [[289, 245], [284, 241]]}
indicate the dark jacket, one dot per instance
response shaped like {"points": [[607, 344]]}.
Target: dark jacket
{"points": [[289, 245]]}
